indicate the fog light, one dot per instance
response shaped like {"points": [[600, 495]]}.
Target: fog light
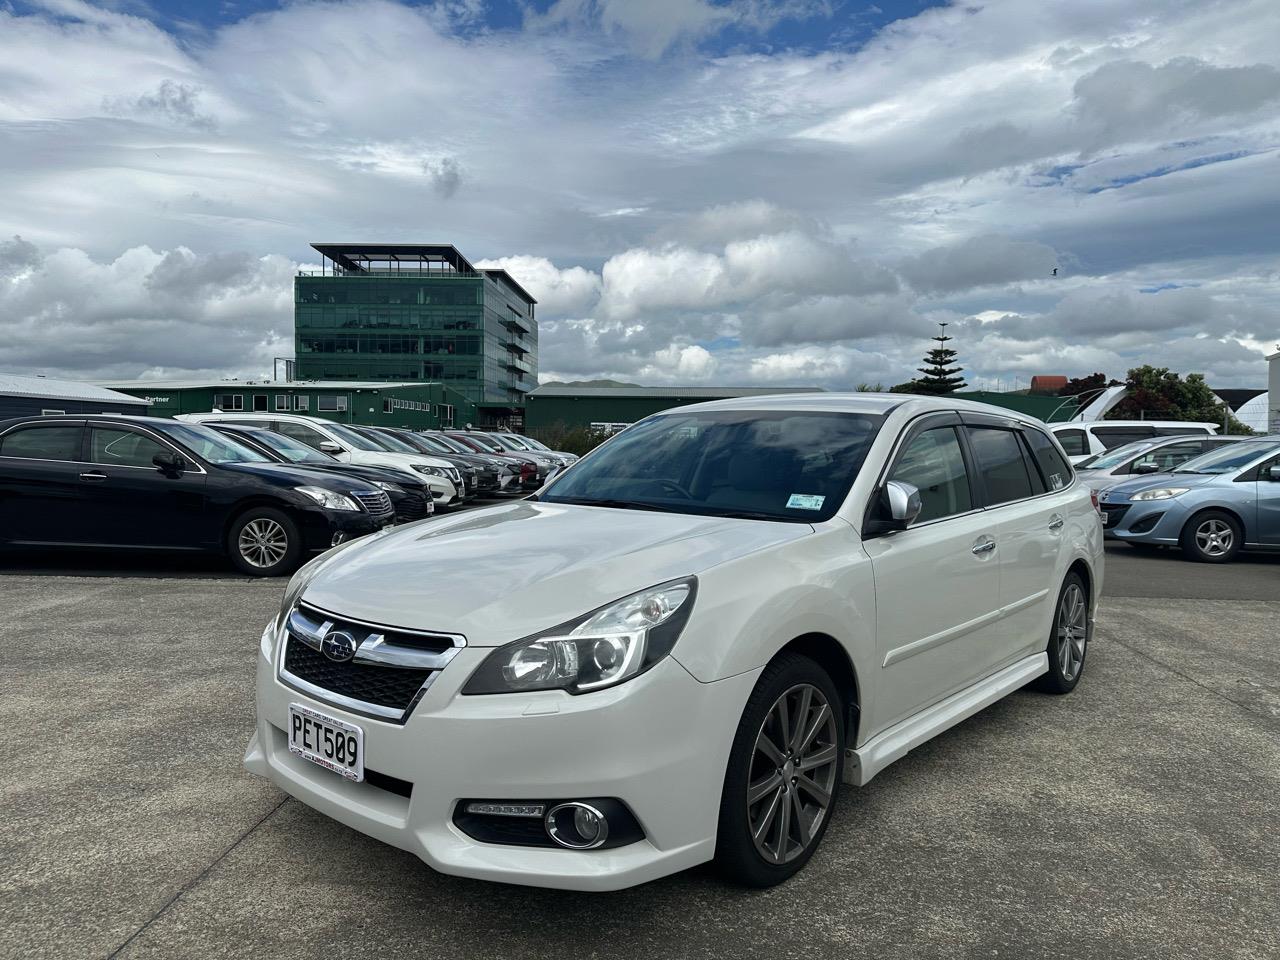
{"points": [[338, 538], [576, 825]]}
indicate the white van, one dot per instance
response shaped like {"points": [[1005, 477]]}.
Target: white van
{"points": [[1081, 439], [348, 446]]}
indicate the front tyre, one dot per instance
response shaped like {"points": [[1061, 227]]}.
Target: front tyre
{"points": [[1068, 638], [264, 542], [1213, 536], [783, 776]]}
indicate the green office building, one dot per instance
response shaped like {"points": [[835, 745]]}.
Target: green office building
{"points": [[406, 312]]}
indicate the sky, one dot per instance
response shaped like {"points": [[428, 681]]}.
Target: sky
{"points": [[698, 192]]}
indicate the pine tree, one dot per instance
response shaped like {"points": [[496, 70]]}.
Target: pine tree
{"points": [[939, 375]]}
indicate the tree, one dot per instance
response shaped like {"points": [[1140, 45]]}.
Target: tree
{"points": [[1156, 393], [1090, 384], [940, 377]]}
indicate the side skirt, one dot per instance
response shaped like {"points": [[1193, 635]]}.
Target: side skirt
{"points": [[863, 763]]}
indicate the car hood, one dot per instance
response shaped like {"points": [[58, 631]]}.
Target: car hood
{"points": [[502, 573], [1150, 481], [297, 475]]}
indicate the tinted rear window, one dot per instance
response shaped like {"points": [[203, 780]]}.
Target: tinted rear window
{"points": [[1004, 468], [54, 442], [1055, 470]]}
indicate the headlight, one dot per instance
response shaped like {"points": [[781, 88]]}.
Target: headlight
{"points": [[389, 487], [599, 649], [329, 499], [1163, 493], [430, 471]]}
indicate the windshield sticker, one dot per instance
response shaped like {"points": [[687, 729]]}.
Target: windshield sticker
{"points": [[1056, 480], [805, 501]]}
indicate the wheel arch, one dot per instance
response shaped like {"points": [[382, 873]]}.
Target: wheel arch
{"points": [[240, 507], [831, 655], [1220, 508]]}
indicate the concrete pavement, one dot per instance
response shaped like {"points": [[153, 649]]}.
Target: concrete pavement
{"points": [[1138, 817]]}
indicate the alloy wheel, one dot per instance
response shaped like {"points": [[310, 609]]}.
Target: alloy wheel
{"points": [[1073, 631], [1214, 538], [263, 542], [793, 773]]}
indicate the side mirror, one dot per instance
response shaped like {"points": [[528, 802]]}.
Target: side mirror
{"points": [[170, 464], [898, 504], [328, 446], [1273, 473], [1146, 468]]}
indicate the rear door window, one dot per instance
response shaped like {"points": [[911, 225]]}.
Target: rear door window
{"points": [[301, 432], [1111, 437], [1072, 441], [1002, 464], [52, 442]]}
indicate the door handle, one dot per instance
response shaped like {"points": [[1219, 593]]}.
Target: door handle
{"points": [[1056, 522], [986, 546], [93, 476]]}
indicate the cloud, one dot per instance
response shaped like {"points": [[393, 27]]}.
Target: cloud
{"points": [[445, 175], [171, 102], [569, 291], [979, 261], [16, 256]]}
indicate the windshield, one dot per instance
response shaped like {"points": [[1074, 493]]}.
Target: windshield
{"points": [[392, 443], [295, 451], [487, 442], [762, 465], [210, 445], [435, 444], [354, 438], [452, 444], [533, 444], [517, 443], [1113, 458], [1235, 456]]}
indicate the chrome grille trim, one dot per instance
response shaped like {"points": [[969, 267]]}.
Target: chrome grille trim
{"points": [[310, 624]]}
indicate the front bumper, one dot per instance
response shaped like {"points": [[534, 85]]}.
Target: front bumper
{"points": [[1145, 521], [319, 526], [647, 742]]}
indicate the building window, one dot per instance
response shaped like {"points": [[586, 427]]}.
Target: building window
{"points": [[259, 403], [282, 401], [331, 403], [386, 406], [52, 413], [228, 401], [301, 402]]}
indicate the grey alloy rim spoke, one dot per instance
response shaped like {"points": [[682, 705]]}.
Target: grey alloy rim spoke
{"points": [[1072, 631], [792, 774], [263, 542]]}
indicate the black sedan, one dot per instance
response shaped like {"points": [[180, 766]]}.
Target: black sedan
{"points": [[410, 497], [153, 484]]}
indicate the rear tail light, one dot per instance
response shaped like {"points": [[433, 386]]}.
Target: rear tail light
{"points": [[526, 470], [1093, 495]]}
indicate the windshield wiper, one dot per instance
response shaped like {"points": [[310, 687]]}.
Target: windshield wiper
{"points": [[617, 504]]}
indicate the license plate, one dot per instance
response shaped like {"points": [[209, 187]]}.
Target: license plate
{"points": [[334, 744], [1109, 518]]}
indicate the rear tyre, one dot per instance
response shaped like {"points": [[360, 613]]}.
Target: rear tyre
{"points": [[1068, 638], [264, 542], [1213, 536], [783, 775]]}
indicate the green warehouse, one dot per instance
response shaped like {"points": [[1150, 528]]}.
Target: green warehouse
{"points": [[374, 403], [611, 408]]}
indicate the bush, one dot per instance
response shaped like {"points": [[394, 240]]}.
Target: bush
{"points": [[577, 439], [1156, 393]]}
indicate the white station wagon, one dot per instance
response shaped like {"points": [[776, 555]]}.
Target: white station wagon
{"points": [[721, 616]]}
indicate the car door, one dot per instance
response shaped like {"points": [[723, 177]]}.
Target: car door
{"points": [[1031, 519], [1268, 503], [937, 582], [138, 505], [42, 498]]}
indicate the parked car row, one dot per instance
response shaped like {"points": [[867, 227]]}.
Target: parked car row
{"points": [[266, 490]]}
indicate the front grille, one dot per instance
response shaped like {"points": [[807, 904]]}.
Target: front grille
{"points": [[387, 674], [376, 502], [1113, 513], [366, 682], [411, 507]]}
